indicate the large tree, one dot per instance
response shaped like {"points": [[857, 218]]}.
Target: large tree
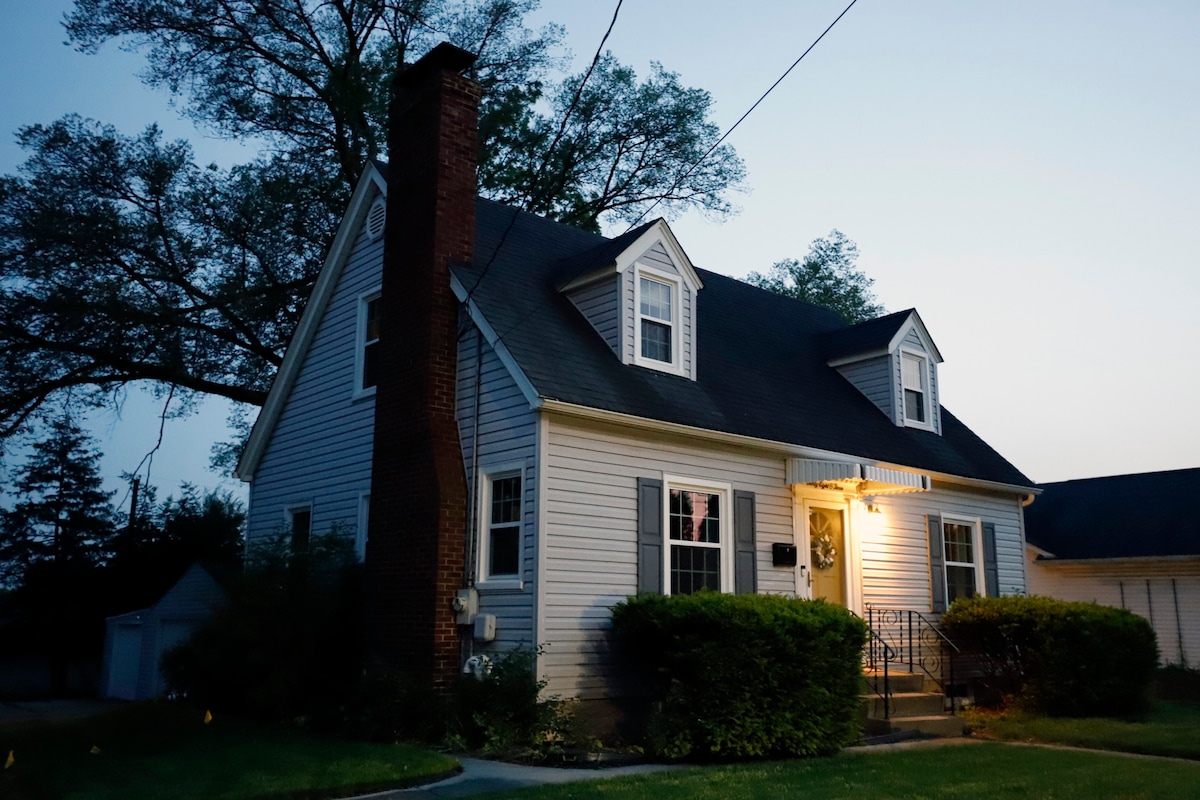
{"points": [[122, 260], [828, 276]]}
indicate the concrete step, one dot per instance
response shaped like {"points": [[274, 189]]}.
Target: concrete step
{"points": [[906, 704], [930, 724], [897, 681]]}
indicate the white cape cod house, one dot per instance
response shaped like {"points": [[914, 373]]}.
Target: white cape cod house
{"points": [[585, 418]]}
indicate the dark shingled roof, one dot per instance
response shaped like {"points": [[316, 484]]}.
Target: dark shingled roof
{"points": [[761, 370], [1122, 516], [874, 334]]}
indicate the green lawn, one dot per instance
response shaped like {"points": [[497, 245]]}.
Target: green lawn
{"points": [[166, 751], [1169, 730], [968, 771]]}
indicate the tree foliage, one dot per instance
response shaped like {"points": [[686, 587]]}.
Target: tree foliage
{"points": [[123, 260], [62, 518], [828, 276]]}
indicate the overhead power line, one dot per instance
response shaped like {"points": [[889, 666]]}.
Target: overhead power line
{"points": [[742, 118]]}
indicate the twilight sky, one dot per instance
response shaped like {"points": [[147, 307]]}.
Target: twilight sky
{"points": [[1024, 173]]}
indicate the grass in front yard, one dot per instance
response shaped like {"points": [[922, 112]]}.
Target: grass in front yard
{"points": [[968, 771], [1168, 730], [166, 751]]}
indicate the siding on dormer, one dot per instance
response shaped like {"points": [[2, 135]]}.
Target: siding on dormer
{"points": [[600, 305], [657, 257], [873, 377]]}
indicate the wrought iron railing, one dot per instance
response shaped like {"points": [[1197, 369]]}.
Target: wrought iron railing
{"points": [[877, 658], [915, 641]]}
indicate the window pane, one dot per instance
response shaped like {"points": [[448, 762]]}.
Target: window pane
{"points": [[695, 568], [914, 405], [960, 543], [656, 299], [506, 500], [301, 527], [960, 582], [914, 373], [695, 516], [505, 550], [656, 341], [372, 331]]}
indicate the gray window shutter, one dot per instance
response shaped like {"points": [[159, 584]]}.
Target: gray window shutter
{"points": [[745, 557], [937, 566], [991, 570], [650, 536]]}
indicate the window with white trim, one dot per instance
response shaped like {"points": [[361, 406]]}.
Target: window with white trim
{"points": [[699, 541], [367, 351], [914, 373], [656, 320], [961, 548], [299, 525], [500, 542]]}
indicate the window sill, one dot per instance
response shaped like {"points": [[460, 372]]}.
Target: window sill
{"points": [[497, 585], [362, 394]]}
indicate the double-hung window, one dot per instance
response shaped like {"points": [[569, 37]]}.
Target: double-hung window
{"points": [[914, 372], [961, 550], [367, 356], [699, 541], [500, 543], [656, 319]]}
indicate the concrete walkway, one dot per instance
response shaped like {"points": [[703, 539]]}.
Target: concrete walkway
{"points": [[482, 777]]}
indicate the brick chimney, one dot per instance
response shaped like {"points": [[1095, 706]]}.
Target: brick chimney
{"points": [[416, 543]]}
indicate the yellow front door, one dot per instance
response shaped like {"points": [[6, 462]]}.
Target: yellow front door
{"points": [[827, 553]]}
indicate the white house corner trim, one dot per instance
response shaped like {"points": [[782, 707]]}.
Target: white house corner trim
{"points": [[539, 548]]}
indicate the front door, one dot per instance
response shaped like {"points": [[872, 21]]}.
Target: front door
{"points": [[827, 553]]}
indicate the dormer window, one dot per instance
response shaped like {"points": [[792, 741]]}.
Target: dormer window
{"points": [[914, 371], [657, 323]]}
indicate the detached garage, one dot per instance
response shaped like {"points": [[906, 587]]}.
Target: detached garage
{"points": [[134, 643]]}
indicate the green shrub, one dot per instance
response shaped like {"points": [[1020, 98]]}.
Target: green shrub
{"points": [[504, 711], [287, 644], [745, 676], [1060, 658]]}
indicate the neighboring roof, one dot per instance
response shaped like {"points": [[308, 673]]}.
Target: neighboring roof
{"points": [[761, 369], [1148, 514]]}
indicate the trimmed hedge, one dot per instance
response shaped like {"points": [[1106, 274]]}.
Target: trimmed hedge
{"points": [[1060, 658], [745, 676]]}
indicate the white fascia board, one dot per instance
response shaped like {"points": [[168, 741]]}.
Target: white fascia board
{"points": [[783, 448], [857, 357], [589, 278], [1139, 561], [1039, 552], [914, 323], [370, 183], [661, 232], [497, 344]]}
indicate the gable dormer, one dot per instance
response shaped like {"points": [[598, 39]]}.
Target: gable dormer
{"points": [[893, 361], [639, 293]]}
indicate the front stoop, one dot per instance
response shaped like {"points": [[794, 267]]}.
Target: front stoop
{"points": [[913, 708]]}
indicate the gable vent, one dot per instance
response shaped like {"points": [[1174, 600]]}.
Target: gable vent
{"points": [[376, 218]]}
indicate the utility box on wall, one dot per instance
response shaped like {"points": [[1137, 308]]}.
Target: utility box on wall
{"points": [[485, 627]]}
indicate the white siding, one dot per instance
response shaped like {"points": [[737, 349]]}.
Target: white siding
{"points": [[590, 538], [894, 544], [507, 435], [874, 379], [600, 305], [320, 450], [1166, 592]]}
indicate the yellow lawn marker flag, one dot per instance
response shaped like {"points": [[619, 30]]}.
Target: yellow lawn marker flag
{"points": [[8, 762], [207, 717]]}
